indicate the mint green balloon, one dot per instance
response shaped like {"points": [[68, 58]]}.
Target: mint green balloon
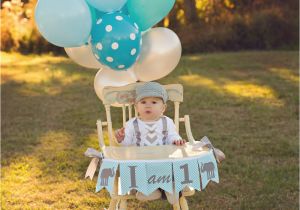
{"points": [[146, 13]]}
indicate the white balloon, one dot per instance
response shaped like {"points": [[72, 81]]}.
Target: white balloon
{"points": [[160, 54], [83, 56], [108, 77]]}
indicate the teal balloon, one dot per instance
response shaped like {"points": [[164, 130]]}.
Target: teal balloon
{"points": [[93, 13], [107, 5], [96, 14], [116, 41], [146, 13], [65, 23], [124, 10]]}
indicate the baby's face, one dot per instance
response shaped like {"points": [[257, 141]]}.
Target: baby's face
{"points": [[150, 108]]}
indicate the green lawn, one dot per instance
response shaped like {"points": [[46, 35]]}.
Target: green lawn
{"points": [[246, 103]]}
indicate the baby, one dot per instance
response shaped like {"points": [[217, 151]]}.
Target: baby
{"points": [[151, 127]]}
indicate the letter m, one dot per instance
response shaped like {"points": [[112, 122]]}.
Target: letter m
{"points": [[164, 179]]}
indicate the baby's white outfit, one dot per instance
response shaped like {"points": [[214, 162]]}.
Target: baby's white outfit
{"points": [[140, 133], [160, 132]]}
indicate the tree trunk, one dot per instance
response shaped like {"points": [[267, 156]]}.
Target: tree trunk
{"points": [[190, 11], [173, 22]]}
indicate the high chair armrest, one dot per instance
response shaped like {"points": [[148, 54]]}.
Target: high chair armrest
{"points": [[100, 133], [100, 124], [188, 130]]}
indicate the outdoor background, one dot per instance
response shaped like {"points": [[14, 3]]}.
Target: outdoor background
{"points": [[240, 72]]}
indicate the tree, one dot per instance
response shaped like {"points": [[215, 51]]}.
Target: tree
{"points": [[190, 11], [173, 22]]}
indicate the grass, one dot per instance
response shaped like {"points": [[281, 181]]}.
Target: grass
{"points": [[246, 103]]}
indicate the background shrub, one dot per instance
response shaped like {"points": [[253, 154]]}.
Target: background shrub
{"points": [[228, 26]]}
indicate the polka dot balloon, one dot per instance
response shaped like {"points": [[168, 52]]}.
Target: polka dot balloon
{"points": [[116, 40]]}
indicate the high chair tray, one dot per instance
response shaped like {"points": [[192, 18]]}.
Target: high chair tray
{"points": [[152, 152]]}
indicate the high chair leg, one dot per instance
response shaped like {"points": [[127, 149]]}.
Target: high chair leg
{"points": [[113, 204], [123, 204], [183, 203], [176, 206]]}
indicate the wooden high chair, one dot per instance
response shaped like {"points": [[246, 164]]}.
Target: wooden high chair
{"points": [[124, 97]]}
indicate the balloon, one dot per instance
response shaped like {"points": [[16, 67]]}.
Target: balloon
{"points": [[66, 23], [107, 5], [160, 54], [146, 13], [116, 41], [96, 14], [124, 10], [108, 77], [83, 56]]}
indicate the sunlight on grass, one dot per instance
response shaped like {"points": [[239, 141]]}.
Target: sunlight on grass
{"points": [[17, 59], [286, 74], [52, 140], [21, 171], [49, 91], [58, 79], [248, 90], [36, 191], [37, 77], [92, 141], [37, 70], [19, 179], [41, 179], [198, 80], [194, 58], [238, 89]]}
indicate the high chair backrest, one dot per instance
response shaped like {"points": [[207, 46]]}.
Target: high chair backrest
{"points": [[124, 97]]}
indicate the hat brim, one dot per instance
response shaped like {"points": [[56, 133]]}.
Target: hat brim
{"points": [[149, 94]]}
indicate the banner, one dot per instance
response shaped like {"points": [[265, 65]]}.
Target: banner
{"points": [[149, 175], [107, 175], [208, 169], [133, 177], [159, 175], [186, 173]]}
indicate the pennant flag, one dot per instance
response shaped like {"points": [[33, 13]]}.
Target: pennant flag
{"points": [[159, 175], [208, 169], [133, 177], [107, 173], [186, 173]]}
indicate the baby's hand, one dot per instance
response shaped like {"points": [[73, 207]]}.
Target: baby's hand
{"points": [[120, 134], [179, 142]]}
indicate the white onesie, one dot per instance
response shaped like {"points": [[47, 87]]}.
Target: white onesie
{"points": [[140, 133]]}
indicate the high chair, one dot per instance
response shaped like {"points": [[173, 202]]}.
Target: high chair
{"points": [[124, 97]]}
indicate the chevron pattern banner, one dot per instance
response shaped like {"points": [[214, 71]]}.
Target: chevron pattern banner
{"points": [[147, 176]]}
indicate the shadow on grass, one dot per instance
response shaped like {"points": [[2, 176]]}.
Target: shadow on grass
{"points": [[52, 119]]}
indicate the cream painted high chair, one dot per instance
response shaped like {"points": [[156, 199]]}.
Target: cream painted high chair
{"points": [[125, 97]]}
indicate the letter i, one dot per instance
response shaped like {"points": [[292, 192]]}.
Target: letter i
{"points": [[132, 175]]}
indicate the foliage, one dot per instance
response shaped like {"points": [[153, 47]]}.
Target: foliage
{"points": [[265, 29], [18, 30], [248, 109], [213, 25]]}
